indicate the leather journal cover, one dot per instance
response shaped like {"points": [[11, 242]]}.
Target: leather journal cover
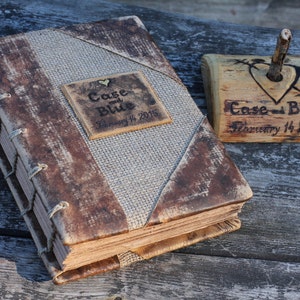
{"points": [[107, 155]]}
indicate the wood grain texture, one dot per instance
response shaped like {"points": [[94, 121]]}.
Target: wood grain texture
{"points": [[266, 13], [154, 279], [268, 221], [259, 261], [244, 105]]}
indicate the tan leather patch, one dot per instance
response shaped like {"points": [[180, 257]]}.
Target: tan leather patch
{"points": [[115, 104]]}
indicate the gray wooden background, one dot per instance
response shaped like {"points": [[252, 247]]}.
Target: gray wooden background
{"points": [[267, 13]]}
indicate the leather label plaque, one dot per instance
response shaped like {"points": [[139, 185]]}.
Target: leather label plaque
{"points": [[115, 104]]}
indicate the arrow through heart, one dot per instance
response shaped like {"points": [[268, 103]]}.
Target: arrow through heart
{"points": [[275, 90]]}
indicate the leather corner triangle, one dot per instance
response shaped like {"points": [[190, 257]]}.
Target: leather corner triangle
{"points": [[204, 179], [127, 37]]}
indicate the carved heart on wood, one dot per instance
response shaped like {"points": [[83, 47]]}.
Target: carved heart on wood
{"points": [[275, 90]]}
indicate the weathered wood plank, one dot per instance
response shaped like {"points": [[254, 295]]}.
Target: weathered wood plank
{"points": [[11, 223], [166, 277], [268, 13]]}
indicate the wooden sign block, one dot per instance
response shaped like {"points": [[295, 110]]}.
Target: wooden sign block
{"points": [[245, 105]]}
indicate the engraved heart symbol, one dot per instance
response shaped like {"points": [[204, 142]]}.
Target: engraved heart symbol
{"points": [[275, 90], [104, 82]]}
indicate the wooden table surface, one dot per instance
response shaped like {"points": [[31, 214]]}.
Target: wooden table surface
{"points": [[260, 261]]}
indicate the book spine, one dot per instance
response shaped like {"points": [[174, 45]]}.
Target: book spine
{"points": [[14, 168], [8, 165]]}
